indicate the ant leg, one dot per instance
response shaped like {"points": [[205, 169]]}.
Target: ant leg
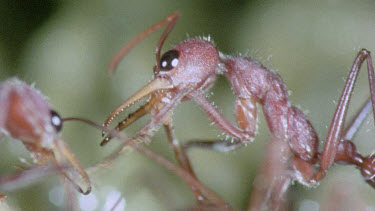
{"points": [[216, 145], [246, 115], [336, 130], [348, 153], [181, 157], [179, 153], [357, 121]]}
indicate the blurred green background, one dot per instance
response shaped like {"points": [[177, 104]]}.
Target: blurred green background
{"points": [[64, 48]]}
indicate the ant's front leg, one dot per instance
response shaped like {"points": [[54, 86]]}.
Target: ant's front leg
{"points": [[246, 116]]}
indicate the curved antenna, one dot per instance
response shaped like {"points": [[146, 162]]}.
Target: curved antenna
{"points": [[171, 19]]}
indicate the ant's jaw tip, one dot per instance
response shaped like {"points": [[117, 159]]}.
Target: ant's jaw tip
{"points": [[105, 141], [85, 192]]}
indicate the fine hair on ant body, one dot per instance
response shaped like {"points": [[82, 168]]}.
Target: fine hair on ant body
{"points": [[189, 69]]}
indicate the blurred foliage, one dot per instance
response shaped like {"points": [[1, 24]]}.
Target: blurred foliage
{"points": [[19, 20], [64, 47]]}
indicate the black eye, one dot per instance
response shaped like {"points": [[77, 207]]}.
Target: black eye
{"points": [[169, 60], [56, 120]]}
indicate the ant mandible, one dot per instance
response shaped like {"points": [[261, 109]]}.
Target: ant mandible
{"points": [[26, 115], [190, 68]]}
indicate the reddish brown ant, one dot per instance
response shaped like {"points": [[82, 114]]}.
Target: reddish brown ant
{"points": [[27, 116], [190, 68]]}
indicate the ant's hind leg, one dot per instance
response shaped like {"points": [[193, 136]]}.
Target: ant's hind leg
{"points": [[336, 130]]}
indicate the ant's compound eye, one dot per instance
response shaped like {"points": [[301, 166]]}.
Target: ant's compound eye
{"points": [[56, 120], [169, 60]]}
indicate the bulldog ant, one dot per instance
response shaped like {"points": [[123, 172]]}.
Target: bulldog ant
{"points": [[27, 116], [190, 68]]}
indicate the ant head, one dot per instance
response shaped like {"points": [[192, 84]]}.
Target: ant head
{"points": [[26, 115], [189, 64], [29, 117]]}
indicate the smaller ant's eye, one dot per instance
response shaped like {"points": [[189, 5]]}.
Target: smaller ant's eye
{"points": [[56, 120], [169, 60]]}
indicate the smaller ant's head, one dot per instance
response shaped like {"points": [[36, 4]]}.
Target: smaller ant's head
{"points": [[190, 64], [28, 115]]}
